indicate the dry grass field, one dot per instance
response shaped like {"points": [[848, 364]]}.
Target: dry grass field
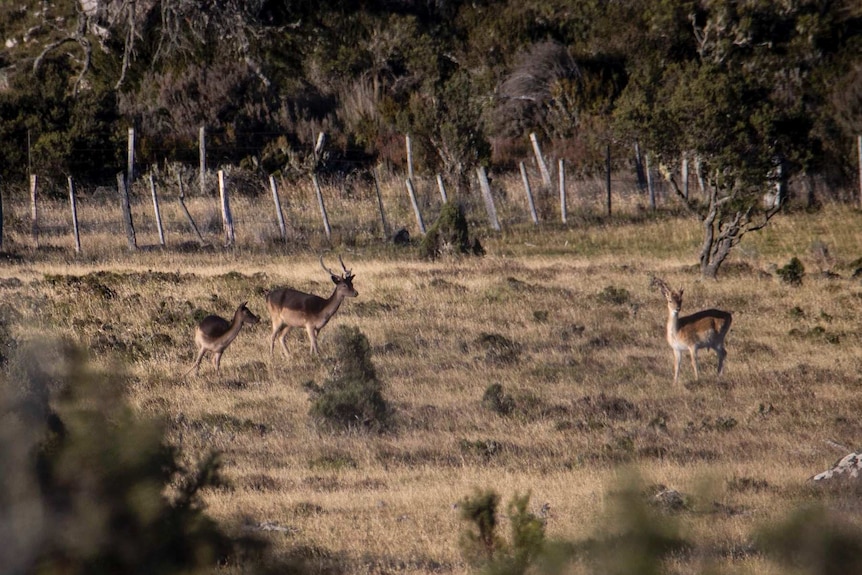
{"points": [[563, 318]]}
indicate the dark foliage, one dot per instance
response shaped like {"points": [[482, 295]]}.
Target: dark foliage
{"points": [[352, 396]]}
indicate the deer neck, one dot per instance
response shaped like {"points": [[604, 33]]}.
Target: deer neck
{"points": [[332, 304], [233, 330], [672, 323]]}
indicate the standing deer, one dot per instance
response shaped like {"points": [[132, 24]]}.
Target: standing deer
{"points": [[215, 333], [291, 308], [706, 328]]}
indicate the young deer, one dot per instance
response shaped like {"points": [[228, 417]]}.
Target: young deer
{"points": [[706, 328], [215, 333], [291, 308]]}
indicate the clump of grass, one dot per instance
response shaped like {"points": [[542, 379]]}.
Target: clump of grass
{"points": [[352, 396], [498, 401], [450, 235], [792, 273], [498, 348], [614, 295], [483, 547]]}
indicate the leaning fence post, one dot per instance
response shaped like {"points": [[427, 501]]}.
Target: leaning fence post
{"points": [[278, 212], [182, 199], [415, 204], [157, 211], [226, 216], [380, 204], [442, 188], [127, 210], [319, 192], [543, 167], [73, 201], [34, 213], [489, 199], [529, 193]]}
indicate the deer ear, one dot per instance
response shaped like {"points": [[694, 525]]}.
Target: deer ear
{"points": [[335, 279]]}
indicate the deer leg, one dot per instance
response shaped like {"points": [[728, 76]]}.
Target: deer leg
{"points": [[312, 337], [196, 365], [721, 355], [217, 361], [693, 352], [282, 336], [276, 328], [677, 357]]}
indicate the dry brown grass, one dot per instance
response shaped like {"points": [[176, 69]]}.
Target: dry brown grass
{"points": [[590, 373]]}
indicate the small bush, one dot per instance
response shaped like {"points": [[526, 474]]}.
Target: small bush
{"points": [[615, 295], [792, 273], [481, 545], [496, 400], [352, 397], [498, 348], [450, 235]]}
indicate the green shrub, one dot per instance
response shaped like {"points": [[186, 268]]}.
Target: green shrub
{"points": [[352, 396], [481, 545], [449, 235], [87, 487], [792, 273]]}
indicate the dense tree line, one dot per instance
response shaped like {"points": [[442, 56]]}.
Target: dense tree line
{"points": [[755, 91]]}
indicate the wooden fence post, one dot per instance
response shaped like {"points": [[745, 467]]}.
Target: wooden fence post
{"points": [[639, 168], [73, 201], [543, 167], [529, 193], [442, 188], [563, 212], [380, 204], [413, 201], [608, 177], [320, 203], [278, 213], [489, 199], [182, 199], [202, 161], [409, 145], [650, 183], [34, 210], [123, 190], [684, 175], [130, 162], [227, 218], [157, 211]]}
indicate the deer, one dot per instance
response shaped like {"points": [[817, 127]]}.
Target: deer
{"points": [[704, 329], [291, 308], [215, 334]]}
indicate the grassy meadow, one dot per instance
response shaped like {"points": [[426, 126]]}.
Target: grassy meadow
{"points": [[561, 317]]}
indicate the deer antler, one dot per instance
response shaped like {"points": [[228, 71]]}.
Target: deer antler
{"points": [[347, 272], [326, 269], [658, 282]]}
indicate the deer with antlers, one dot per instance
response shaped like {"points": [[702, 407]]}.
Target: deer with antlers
{"points": [[291, 308], [706, 328], [214, 334]]}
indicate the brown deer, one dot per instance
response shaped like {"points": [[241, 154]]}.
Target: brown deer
{"points": [[291, 308], [706, 328], [215, 333]]}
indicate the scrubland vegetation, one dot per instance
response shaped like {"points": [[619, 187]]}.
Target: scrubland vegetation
{"points": [[534, 381]]}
